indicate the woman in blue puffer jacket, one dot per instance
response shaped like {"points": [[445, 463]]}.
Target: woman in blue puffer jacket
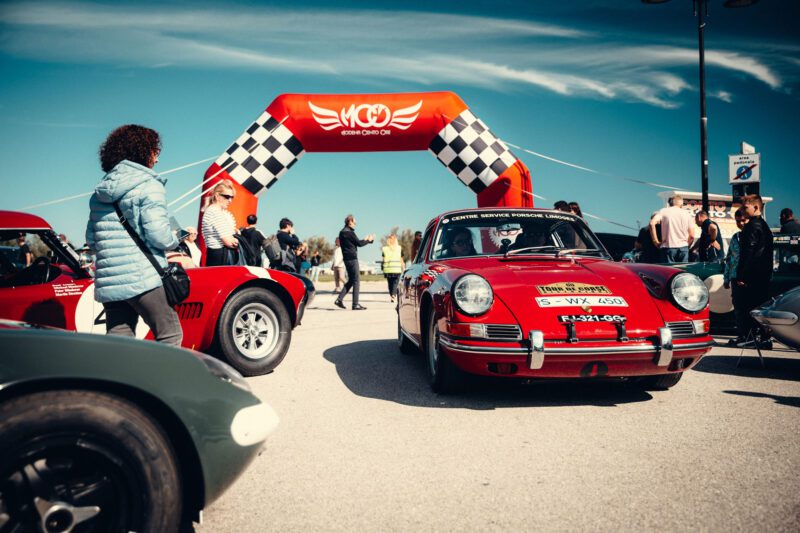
{"points": [[125, 281]]}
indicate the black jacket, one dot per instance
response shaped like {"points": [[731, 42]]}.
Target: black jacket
{"points": [[755, 259], [791, 227], [287, 241], [350, 243]]}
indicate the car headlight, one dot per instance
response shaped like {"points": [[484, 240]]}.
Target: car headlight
{"points": [[224, 372], [689, 293], [473, 294]]}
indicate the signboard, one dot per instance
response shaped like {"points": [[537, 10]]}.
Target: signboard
{"points": [[744, 168]]}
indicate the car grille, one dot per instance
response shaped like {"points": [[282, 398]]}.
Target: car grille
{"points": [[681, 329], [503, 332]]}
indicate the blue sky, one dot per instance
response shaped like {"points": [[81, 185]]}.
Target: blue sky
{"points": [[610, 86]]}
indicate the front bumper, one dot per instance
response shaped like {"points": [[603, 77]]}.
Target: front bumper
{"points": [[537, 358]]}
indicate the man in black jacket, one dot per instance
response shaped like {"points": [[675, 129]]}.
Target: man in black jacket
{"points": [[350, 243], [755, 260]]}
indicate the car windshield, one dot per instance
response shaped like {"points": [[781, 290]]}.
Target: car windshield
{"points": [[513, 233]]}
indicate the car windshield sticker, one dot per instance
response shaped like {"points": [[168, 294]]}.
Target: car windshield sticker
{"points": [[577, 301], [488, 215], [572, 288], [591, 318]]}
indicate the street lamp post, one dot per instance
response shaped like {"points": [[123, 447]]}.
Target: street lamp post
{"points": [[701, 11]]}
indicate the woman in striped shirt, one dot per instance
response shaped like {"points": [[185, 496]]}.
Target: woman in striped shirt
{"points": [[219, 226]]}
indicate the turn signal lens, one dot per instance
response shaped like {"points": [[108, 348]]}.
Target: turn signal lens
{"points": [[459, 329], [701, 326]]}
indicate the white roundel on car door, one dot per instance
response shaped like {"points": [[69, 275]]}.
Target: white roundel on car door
{"points": [[719, 298]]}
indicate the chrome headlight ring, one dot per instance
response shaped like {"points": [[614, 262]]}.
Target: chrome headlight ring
{"points": [[688, 292], [472, 295]]}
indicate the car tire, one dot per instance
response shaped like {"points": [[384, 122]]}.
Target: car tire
{"points": [[445, 377], [89, 458], [405, 346], [254, 331], [661, 381]]}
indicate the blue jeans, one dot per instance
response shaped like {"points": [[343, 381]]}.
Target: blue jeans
{"points": [[675, 255]]}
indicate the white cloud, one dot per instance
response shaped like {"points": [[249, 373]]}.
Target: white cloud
{"points": [[425, 48], [725, 96]]}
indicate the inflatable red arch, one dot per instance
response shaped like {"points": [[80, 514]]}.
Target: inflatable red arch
{"points": [[440, 122]]}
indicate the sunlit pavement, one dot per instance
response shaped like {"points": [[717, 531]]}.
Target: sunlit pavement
{"points": [[363, 444]]}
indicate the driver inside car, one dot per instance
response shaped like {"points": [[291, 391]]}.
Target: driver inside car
{"points": [[458, 243]]}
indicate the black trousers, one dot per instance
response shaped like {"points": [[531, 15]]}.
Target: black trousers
{"points": [[353, 281], [392, 281], [753, 295]]}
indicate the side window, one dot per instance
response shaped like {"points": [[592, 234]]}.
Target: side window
{"points": [[424, 244]]}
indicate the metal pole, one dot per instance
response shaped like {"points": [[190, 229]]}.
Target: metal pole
{"points": [[700, 5]]}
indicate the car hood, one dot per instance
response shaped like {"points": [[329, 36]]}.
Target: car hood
{"points": [[519, 282]]}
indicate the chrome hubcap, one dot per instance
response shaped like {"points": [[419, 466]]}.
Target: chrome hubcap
{"points": [[255, 330]]}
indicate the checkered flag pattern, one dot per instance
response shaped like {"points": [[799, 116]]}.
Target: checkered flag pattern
{"points": [[261, 154], [471, 151]]}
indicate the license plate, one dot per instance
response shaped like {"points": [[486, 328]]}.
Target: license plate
{"points": [[580, 301], [591, 318]]}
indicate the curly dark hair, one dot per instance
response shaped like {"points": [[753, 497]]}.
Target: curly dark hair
{"points": [[132, 142]]}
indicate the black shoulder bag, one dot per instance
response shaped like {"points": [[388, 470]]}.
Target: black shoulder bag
{"points": [[174, 277]]}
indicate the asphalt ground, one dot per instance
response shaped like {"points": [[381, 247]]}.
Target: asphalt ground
{"points": [[364, 445]]}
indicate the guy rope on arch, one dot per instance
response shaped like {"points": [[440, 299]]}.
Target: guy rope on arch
{"points": [[439, 122]]}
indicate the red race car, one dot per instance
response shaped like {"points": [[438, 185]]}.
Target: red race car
{"points": [[532, 293], [245, 314]]}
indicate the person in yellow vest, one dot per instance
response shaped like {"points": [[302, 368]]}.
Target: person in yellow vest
{"points": [[393, 263]]}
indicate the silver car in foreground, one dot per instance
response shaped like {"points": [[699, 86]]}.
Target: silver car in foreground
{"points": [[781, 316]]}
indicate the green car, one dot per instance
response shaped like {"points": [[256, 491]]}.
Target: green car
{"points": [[102, 433], [785, 276]]}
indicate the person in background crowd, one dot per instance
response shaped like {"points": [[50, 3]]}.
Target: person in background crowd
{"points": [[754, 270], [315, 260], [350, 244], [338, 267], [125, 281], [219, 226], [676, 231], [255, 239], [648, 251], [709, 245], [25, 256], [575, 209], [393, 263], [65, 241], [788, 223], [303, 264], [561, 205], [189, 248], [286, 237], [729, 274], [189, 244], [415, 244]]}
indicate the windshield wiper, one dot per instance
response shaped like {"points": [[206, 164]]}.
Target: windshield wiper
{"points": [[566, 251], [529, 249]]}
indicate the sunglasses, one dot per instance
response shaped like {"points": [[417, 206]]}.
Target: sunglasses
{"points": [[227, 196], [461, 242]]}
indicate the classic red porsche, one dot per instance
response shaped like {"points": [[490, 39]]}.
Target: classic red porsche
{"points": [[245, 314], [532, 293]]}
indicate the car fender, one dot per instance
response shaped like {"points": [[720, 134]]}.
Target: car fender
{"points": [[213, 287]]}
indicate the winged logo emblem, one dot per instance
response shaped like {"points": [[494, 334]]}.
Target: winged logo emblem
{"points": [[365, 116]]}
